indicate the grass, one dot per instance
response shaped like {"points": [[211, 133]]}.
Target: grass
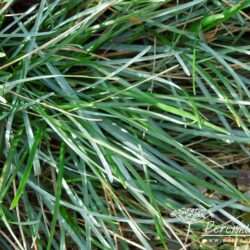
{"points": [[116, 113]]}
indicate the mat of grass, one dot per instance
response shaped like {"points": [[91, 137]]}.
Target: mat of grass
{"points": [[115, 114]]}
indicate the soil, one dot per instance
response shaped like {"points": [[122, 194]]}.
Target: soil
{"points": [[23, 5]]}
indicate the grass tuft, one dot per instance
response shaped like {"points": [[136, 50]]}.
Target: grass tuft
{"points": [[116, 113]]}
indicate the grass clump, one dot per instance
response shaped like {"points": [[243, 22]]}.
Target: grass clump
{"points": [[115, 114]]}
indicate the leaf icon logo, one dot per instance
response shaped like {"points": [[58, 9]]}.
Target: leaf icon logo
{"points": [[189, 215]]}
